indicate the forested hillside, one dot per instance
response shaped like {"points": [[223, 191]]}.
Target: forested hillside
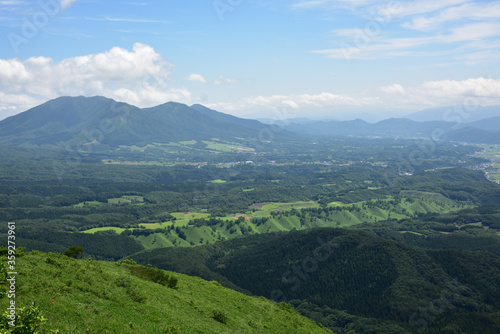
{"points": [[351, 279]]}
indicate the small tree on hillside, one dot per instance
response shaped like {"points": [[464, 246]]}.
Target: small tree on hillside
{"points": [[75, 252]]}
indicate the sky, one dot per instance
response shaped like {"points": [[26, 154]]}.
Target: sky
{"points": [[275, 59]]}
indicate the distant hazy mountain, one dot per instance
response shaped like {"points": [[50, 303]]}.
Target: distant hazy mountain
{"points": [[287, 121], [488, 124], [330, 128], [486, 131], [81, 120], [394, 127], [455, 114]]}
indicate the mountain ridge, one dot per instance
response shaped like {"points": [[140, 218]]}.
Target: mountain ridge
{"points": [[100, 121], [69, 121], [460, 113]]}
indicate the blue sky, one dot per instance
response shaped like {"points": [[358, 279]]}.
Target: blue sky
{"points": [[254, 58]]}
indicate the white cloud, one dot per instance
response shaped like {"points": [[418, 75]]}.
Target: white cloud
{"points": [[410, 8], [11, 104], [473, 32], [487, 56], [117, 19], [196, 77], [139, 77], [445, 28], [322, 3], [393, 89], [151, 96], [223, 80], [10, 2], [475, 91], [309, 4], [360, 45], [452, 89], [66, 3], [382, 8], [297, 102], [470, 11]]}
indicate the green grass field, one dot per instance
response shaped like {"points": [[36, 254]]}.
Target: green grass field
{"points": [[156, 225], [289, 206], [126, 200], [334, 204], [349, 215], [226, 147], [118, 230], [496, 176], [188, 142], [140, 162], [85, 296], [182, 218], [218, 181], [89, 203], [492, 152], [346, 215]]}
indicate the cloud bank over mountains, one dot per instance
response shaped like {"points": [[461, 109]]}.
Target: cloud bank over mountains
{"points": [[141, 76]]}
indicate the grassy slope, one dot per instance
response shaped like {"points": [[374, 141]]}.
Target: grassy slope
{"points": [[420, 203], [103, 297]]}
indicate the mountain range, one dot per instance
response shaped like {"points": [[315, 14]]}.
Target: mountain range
{"points": [[83, 120], [80, 121], [485, 131], [464, 114]]}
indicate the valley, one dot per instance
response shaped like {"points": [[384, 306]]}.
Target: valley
{"points": [[357, 232], [250, 167]]}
